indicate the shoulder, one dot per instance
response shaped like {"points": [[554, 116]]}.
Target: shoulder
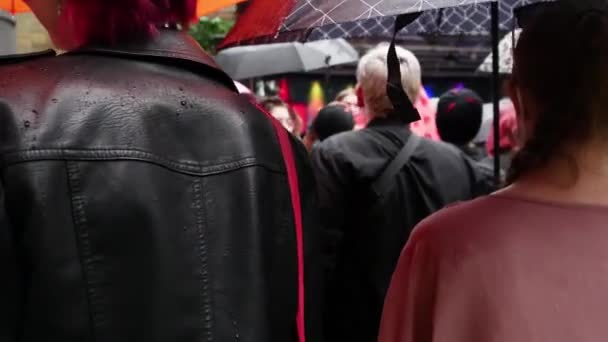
{"points": [[441, 149], [21, 58], [463, 224], [340, 146], [345, 141]]}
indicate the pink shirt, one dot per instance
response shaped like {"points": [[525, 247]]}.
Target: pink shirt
{"points": [[501, 269]]}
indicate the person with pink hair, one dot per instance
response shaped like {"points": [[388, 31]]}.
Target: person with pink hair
{"points": [[508, 144], [141, 197]]}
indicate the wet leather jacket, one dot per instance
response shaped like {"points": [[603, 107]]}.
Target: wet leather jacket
{"points": [[142, 199]]}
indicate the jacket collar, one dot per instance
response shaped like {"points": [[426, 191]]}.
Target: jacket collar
{"points": [[389, 121], [11, 59], [168, 47]]}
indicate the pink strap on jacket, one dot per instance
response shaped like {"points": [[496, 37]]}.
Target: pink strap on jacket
{"points": [[292, 176]]}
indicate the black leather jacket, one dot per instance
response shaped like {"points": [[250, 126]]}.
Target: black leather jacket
{"points": [[141, 199]]}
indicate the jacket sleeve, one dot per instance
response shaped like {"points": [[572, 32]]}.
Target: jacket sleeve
{"points": [[313, 271], [409, 305], [482, 178], [332, 187], [11, 282]]}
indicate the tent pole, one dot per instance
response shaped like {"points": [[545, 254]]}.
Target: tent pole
{"points": [[496, 89]]}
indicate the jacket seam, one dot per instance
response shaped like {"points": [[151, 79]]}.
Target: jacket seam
{"points": [[87, 261], [206, 307], [191, 168]]}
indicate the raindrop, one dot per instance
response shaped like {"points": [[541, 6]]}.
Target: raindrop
{"points": [[27, 124], [184, 103]]}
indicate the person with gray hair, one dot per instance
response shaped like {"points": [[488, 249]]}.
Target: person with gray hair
{"points": [[375, 185]]}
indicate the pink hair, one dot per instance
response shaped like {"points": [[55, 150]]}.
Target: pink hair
{"points": [[107, 22]]}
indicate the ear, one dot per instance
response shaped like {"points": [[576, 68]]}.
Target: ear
{"points": [[360, 96]]}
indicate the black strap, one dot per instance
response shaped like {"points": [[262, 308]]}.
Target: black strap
{"points": [[383, 184], [402, 105]]}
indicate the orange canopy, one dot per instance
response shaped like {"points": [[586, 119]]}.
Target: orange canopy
{"points": [[204, 6], [209, 6], [13, 6]]}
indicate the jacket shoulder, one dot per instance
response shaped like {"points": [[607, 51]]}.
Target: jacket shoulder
{"points": [[21, 58]]}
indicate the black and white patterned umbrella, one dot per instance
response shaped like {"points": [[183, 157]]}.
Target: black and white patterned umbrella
{"points": [[505, 47], [307, 20]]}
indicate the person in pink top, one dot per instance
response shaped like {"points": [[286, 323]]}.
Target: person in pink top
{"points": [[529, 263]]}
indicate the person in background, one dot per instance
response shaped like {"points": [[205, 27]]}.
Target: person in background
{"points": [[426, 126], [531, 264], [348, 97], [281, 111], [364, 229], [508, 139], [141, 197], [330, 121], [459, 117]]}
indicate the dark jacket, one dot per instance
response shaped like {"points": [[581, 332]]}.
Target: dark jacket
{"points": [[362, 246], [141, 199]]}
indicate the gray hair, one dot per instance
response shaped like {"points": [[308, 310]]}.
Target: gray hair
{"points": [[372, 76]]}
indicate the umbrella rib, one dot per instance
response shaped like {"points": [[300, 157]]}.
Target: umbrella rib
{"points": [[322, 19]]}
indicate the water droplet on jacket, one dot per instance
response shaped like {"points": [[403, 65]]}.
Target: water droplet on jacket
{"points": [[184, 103], [27, 124], [54, 100]]}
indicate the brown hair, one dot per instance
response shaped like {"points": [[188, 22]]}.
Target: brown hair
{"points": [[561, 63]]}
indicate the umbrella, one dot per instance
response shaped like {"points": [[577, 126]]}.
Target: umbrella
{"points": [[13, 6], [270, 59], [506, 54], [305, 20], [204, 7]]}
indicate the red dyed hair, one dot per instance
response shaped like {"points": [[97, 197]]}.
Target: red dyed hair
{"points": [[107, 22]]}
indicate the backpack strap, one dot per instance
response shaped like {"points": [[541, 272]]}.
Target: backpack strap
{"points": [[294, 187], [382, 185]]}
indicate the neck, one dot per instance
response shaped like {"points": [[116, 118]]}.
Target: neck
{"points": [[581, 179]]}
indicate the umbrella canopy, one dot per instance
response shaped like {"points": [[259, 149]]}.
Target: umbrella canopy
{"points": [[13, 6], [506, 54], [203, 8], [271, 59], [306, 20]]}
